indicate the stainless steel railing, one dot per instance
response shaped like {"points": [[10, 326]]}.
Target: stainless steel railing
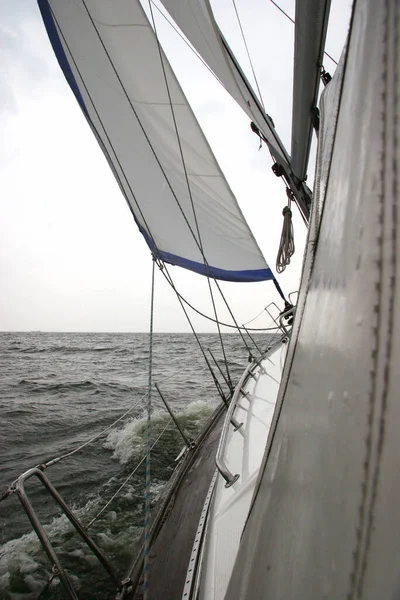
{"points": [[219, 460], [19, 489]]}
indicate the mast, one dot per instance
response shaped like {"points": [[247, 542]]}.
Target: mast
{"points": [[311, 25]]}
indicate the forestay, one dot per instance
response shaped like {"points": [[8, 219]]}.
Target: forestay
{"points": [[134, 104]]}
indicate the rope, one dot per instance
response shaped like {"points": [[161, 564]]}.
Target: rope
{"points": [[248, 54], [148, 450], [121, 487], [286, 246]]}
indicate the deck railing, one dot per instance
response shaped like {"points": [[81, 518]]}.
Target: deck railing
{"points": [[219, 460]]}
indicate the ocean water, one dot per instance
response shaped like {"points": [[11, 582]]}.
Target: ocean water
{"points": [[58, 390]]}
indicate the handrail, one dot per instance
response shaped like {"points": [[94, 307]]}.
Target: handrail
{"points": [[41, 533], [219, 460]]}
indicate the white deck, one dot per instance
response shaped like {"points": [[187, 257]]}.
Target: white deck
{"points": [[243, 454]]}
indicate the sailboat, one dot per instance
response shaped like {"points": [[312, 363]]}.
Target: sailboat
{"points": [[291, 491]]}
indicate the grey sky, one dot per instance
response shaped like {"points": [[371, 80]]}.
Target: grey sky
{"points": [[71, 256]]}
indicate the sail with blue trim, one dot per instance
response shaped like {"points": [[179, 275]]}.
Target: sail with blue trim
{"points": [[159, 155]]}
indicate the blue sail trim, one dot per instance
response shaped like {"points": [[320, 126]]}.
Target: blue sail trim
{"points": [[215, 272], [58, 49], [196, 267], [207, 270]]}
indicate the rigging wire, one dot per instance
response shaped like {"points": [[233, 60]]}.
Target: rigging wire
{"points": [[248, 54], [196, 310], [57, 459], [166, 178], [146, 570], [189, 45], [216, 382], [254, 318], [121, 487], [154, 246], [198, 241], [162, 170], [292, 20], [189, 190]]}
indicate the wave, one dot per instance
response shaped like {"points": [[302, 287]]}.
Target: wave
{"points": [[40, 387], [129, 442], [63, 349], [24, 568]]}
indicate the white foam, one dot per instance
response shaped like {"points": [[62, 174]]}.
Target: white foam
{"points": [[130, 441]]}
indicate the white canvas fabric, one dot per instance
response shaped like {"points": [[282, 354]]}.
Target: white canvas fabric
{"points": [[112, 61], [195, 18]]}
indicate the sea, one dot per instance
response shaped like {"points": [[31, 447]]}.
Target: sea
{"points": [[58, 391]]}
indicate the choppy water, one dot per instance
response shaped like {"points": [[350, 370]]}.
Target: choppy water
{"points": [[56, 391]]}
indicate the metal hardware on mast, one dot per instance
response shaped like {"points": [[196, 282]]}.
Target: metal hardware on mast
{"points": [[325, 76], [301, 193]]}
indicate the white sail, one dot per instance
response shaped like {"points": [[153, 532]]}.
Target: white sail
{"points": [[128, 92], [196, 20]]}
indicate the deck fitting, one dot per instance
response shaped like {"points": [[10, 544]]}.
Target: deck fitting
{"points": [[232, 481]]}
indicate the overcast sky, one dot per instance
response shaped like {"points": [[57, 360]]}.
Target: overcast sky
{"points": [[71, 256]]}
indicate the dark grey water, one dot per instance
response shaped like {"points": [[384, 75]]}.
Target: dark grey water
{"points": [[56, 391]]}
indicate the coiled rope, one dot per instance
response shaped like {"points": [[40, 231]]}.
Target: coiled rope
{"points": [[286, 246]]}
